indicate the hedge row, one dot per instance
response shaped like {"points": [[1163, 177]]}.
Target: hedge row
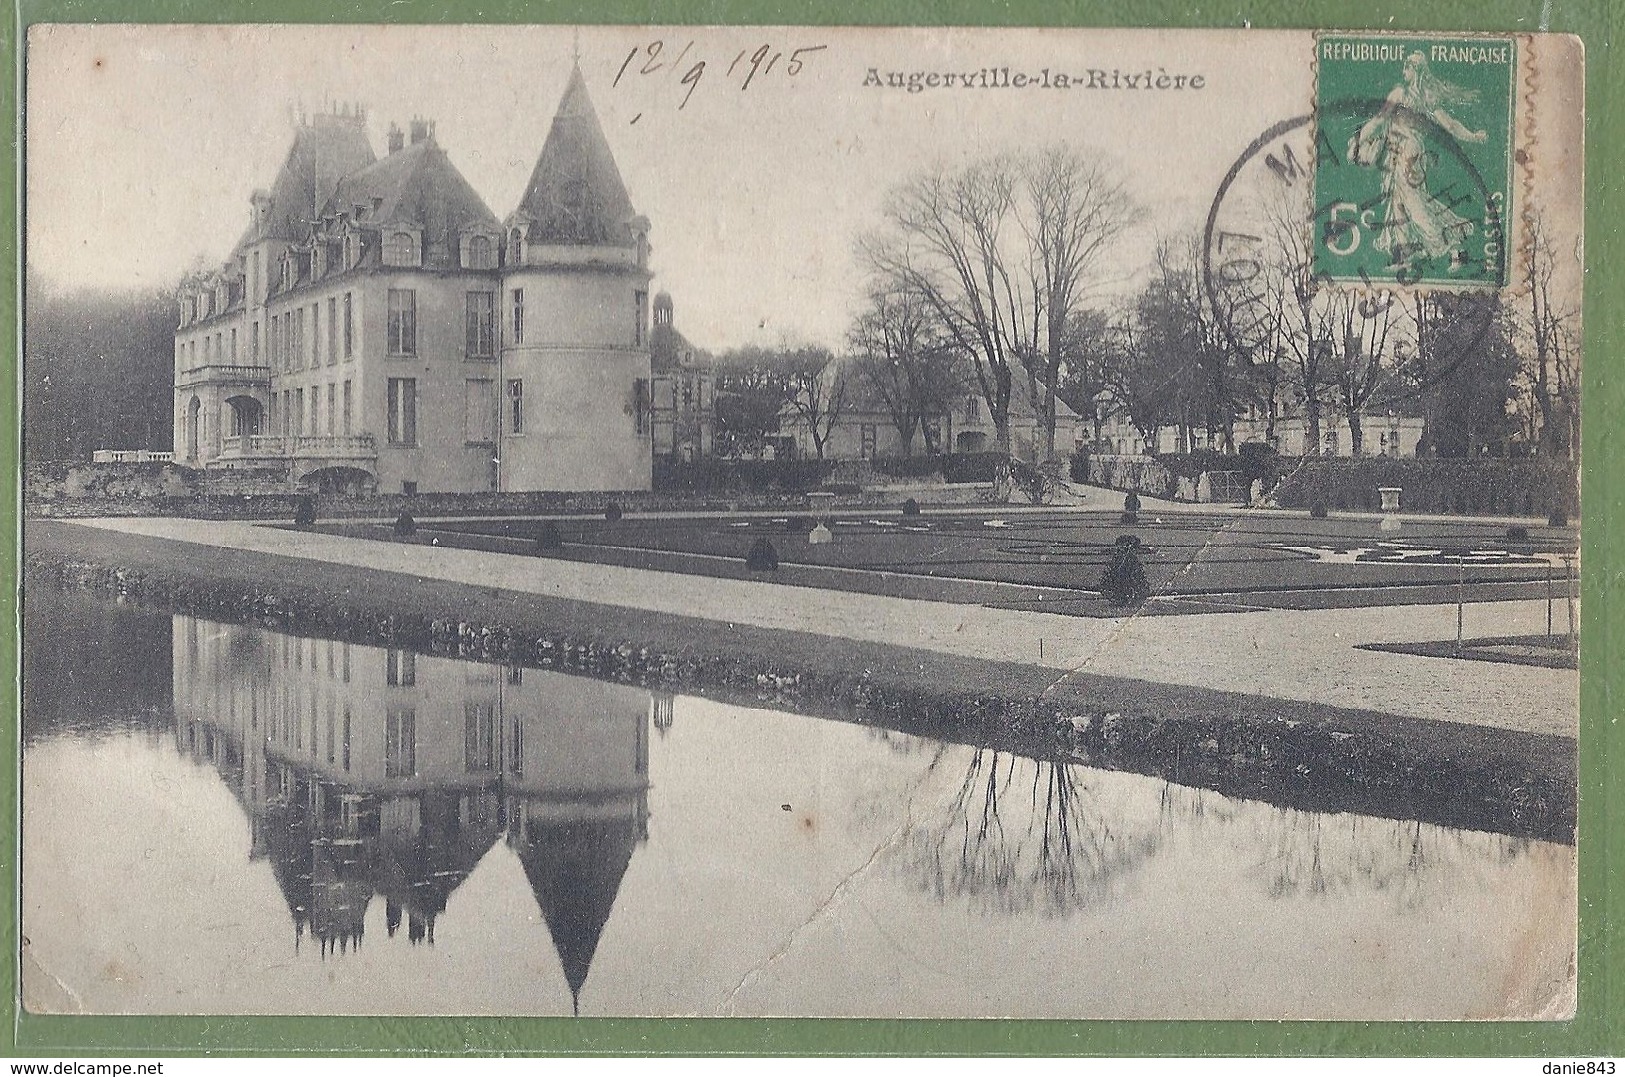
{"points": [[1532, 487], [710, 476]]}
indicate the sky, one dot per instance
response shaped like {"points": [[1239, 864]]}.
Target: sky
{"points": [[145, 142]]}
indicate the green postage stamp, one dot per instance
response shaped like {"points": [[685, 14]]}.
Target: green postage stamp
{"points": [[1414, 157]]}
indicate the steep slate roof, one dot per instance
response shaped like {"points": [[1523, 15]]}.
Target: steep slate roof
{"points": [[667, 347], [322, 153], [575, 194], [417, 185]]}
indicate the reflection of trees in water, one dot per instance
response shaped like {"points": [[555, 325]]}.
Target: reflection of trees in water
{"points": [[1019, 834], [1299, 854], [899, 743], [1309, 854]]}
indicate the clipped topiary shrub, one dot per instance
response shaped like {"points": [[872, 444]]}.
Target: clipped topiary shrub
{"points": [[762, 557], [1124, 582], [548, 537], [911, 507], [1131, 502], [1558, 518], [1517, 534], [612, 511], [798, 525], [1318, 510], [304, 513], [405, 526]]}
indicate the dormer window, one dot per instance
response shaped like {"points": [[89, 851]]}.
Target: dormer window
{"points": [[479, 253], [516, 247], [352, 250], [400, 249], [318, 262]]}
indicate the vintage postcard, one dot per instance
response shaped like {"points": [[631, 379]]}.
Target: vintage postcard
{"points": [[799, 521]]}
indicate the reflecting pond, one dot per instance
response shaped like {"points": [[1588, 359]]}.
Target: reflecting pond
{"points": [[224, 818]]}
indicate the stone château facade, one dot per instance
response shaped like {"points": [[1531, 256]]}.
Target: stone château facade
{"points": [[377, 325]]}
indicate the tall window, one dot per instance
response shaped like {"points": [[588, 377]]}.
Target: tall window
{"points": [[518, 315], [516, 406], [403, 321], [400, 742], [299, 339], [332, 409], [234, 344], [482, 327], [400, 669], [347, 402], [479, 736], [349, 327], [254, 342], [403, 411], [973, 409], [332, 332], [479, 411], [516, 247], [640, 325], [481, 254], [299, 411], [315, 334], [640, 405], [399, 250], [315, 409]]}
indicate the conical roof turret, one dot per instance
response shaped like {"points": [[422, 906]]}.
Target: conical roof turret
{"points": [[575, 195]]}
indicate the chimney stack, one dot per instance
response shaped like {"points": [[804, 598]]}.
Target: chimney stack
{"points": [[396, 139], [421, 130]]}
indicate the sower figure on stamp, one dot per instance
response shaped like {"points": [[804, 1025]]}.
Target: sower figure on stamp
{"points": [[1395, 140]]}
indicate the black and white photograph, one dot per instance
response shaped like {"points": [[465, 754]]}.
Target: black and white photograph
{"points": [[759, 521]]}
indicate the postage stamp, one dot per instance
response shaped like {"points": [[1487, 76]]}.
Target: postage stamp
{"points": [[1414, 154]]}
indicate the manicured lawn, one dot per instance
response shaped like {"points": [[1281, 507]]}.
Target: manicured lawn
{"points": [[1207, 560]]}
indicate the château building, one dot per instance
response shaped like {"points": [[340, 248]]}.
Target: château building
{"points": [[684, 403], [378, 326]]}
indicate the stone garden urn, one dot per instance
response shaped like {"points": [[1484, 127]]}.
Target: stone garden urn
{"points": [[1390, 507]]}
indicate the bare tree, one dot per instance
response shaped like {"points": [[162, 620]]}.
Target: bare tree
{"points": [[1002, 251], [1551, 327], [1360, 360], [949, 243], [902, 355], [1073, 212], [815, 387]]}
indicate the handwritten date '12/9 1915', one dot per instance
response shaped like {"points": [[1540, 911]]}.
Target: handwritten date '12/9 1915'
{"points": [[748, 66]]}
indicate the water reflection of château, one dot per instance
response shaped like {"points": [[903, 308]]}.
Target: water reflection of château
{"points": [[378, 772]]}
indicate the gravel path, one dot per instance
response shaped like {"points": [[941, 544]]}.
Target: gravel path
{"points": [[1285, 654]]}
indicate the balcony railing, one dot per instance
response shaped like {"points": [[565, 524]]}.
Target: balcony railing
{"points": [[130, 456], [234, 372], [299, 446]]}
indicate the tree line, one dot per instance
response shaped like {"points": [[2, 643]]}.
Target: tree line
{"points": [[1005, 270], [97, 371]]}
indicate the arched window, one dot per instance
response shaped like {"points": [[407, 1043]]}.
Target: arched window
{"points": [[481, 254], [516, 247], [399, 250]]}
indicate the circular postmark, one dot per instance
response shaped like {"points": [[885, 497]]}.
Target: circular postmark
{"points": [[1345, 250]]}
